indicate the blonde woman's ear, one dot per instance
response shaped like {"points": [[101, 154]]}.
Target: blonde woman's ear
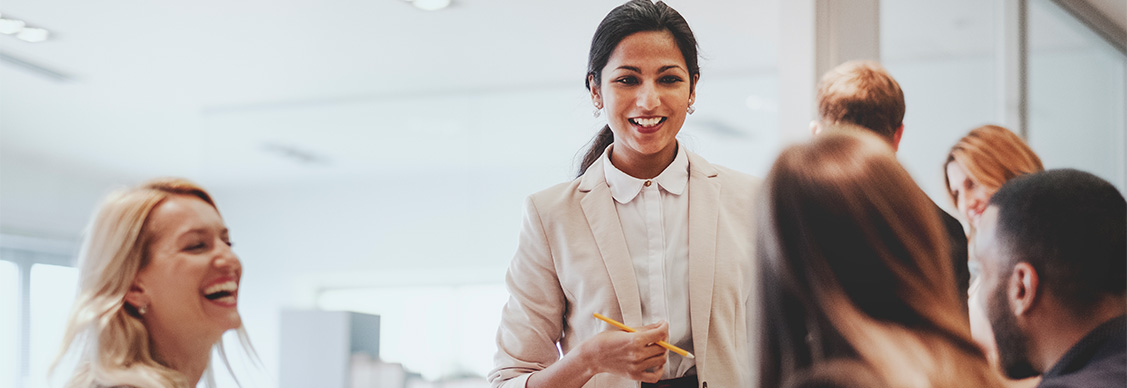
{"points": [[137, 298]]}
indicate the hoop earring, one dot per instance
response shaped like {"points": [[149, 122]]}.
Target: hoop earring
{"points": [[691, 109]]}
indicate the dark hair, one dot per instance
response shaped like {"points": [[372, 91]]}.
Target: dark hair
{"points": [[625, 20], [851, 250], [1069, 225]]}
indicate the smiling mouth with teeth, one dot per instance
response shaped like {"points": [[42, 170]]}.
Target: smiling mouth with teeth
{"points": [[647, 122], [223, 293]]}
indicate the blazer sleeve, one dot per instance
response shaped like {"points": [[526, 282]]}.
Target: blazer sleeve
{"points": [[532, 319]]}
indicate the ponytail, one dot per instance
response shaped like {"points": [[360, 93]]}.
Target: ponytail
{"points": [[599, 144]]}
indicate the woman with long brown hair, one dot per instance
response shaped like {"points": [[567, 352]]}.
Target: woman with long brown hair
{"points": [[853, 269]]}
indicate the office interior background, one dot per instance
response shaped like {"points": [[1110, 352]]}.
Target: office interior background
{"points": [[371, 156]]}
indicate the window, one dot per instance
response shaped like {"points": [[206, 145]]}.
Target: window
{"points": [[1076, 95], [9, 322], [52, 294], [37, 286]]}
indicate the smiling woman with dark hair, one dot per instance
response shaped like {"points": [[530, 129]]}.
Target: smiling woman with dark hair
{"points": [[650, 234]]}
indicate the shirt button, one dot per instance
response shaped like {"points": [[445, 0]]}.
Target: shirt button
{"points": [[648, 183]]}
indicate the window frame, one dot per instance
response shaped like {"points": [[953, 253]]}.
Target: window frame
{"points": [[26, 252]]}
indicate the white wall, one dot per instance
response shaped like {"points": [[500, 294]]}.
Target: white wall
{"points": [[945, 99]]}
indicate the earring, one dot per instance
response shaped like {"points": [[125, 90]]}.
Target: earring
{"points": [[691, 109], [598, 111], [142, 310]]}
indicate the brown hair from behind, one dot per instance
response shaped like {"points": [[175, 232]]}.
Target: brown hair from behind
{"points": [[991, 155], [853, 264], [862, 93]]}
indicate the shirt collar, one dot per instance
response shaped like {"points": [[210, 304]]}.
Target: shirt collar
{"points": [[624, 188], [1100, 341]]}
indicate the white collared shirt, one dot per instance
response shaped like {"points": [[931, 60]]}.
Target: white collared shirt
{"points": [[654, 214]]}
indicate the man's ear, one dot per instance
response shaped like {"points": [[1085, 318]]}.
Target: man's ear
{"points": [[896, 137], [1022, 288]]}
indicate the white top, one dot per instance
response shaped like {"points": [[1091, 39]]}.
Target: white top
{"points": [[654, 214]]}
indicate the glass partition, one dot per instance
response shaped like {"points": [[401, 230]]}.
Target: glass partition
{"points": [[1076, 95]]}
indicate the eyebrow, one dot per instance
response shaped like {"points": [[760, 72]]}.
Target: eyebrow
{"points": [[202, 230], [662, 69]]}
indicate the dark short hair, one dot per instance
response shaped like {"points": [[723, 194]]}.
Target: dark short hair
{"points": [[1069, 225]]}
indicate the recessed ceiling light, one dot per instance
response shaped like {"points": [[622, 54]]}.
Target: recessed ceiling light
{"points": [[430, 5], [33, 35], [11, 26]]}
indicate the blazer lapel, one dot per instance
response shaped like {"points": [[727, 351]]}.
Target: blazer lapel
{"points": [[602, 217], [704, 195]]}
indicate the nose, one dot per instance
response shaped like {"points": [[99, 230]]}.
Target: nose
{"points": [[226, 260], [648, 98], [971, 201]]}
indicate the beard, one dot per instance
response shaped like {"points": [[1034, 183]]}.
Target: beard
{"points": [[1013, 353]]}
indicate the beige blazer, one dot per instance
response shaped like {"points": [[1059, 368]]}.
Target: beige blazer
{"points": [[572, 261]]}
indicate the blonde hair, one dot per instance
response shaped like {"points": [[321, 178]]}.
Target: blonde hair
{"points": [[112, 342], [853, 265], [862, 93], [991, 155]]}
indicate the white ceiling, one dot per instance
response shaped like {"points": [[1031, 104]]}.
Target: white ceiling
{"points": [[217, 90]]}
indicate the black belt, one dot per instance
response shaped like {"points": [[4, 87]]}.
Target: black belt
{"points": [[680, 382]]}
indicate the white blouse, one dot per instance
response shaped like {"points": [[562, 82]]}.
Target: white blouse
{"points": [[655, 219]]}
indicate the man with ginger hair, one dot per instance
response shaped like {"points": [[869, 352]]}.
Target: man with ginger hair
{"points": [[861, 94]]}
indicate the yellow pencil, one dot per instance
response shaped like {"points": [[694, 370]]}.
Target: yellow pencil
{"points": [[629, 329]]}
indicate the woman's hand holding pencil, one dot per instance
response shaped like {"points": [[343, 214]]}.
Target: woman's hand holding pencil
{"points": [[629, 329], [636, 354]]}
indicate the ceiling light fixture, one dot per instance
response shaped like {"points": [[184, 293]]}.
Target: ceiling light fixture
{"points": [[430, 5], [20, 29], [33, 35], [11, 26]]}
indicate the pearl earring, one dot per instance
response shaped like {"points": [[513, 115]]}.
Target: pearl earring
{"points": [[142, 310]]}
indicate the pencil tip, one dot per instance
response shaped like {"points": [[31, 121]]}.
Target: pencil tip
{"points": [[691, 356]]}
